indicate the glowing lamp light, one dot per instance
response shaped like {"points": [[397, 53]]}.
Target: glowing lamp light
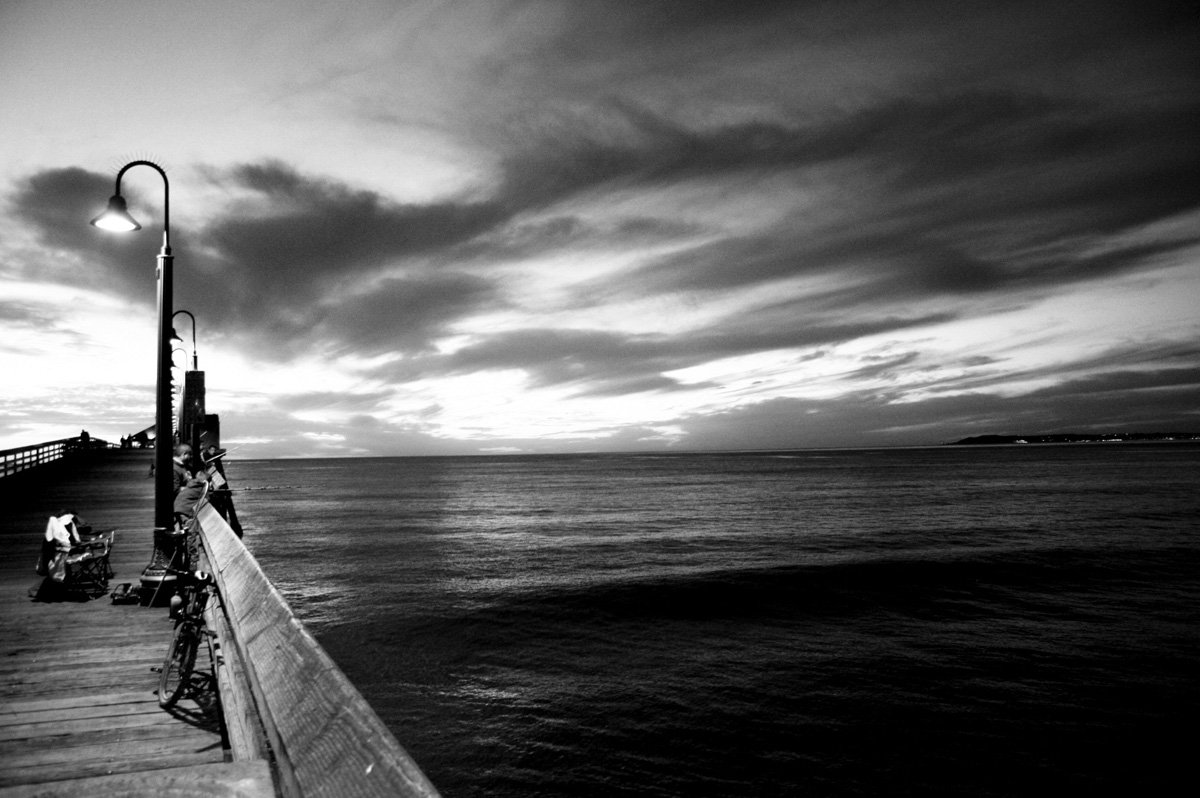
{"points": [[115, 217]]}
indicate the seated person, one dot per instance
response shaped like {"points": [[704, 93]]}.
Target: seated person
{"points": [[63, 532], [189, 485], [63, 529]]}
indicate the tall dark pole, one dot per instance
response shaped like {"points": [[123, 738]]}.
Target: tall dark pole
{"points": [[164, 481], [155, 577]]}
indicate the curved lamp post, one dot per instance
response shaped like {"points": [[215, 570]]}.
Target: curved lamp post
{"points": [[116, 218], [191, 429], [175, 337]]}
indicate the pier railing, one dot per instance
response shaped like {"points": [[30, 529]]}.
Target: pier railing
{"points": [[284, 698], [13, 461]]}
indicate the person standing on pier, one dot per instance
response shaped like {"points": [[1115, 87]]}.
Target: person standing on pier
{"points": [[218, 491]]}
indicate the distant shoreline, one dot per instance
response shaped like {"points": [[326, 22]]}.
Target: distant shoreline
{"points": [[1071, 437]]}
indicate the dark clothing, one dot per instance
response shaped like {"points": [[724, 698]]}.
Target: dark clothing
{"points": [[186, 498], [182, 475], [189, 487], [220, 497]]}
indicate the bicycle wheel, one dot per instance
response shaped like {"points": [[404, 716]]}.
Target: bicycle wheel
{"points": [[177, 667]]}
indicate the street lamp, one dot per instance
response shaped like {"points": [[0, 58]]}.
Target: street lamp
{"points": [[116, 218], [175, 337], [192, 420]]}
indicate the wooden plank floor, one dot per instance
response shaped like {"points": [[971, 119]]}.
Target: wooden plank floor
{"points": [[77, 693]]}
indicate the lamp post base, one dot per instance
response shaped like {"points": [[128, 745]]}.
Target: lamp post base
{"points": [[158, 583]]}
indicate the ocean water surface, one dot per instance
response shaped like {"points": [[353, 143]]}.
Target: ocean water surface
{"points": [[942, 621]]}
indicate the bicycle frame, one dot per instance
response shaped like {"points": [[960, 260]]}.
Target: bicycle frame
{"points": [[175, 677]]}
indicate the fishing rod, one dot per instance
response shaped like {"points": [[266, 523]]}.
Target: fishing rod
{"points": [[222, 453]]}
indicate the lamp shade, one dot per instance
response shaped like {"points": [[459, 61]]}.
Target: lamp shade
{"points": [[115, 217]]}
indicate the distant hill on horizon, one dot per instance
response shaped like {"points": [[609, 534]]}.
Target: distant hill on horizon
{"points": [[1073, 437]]}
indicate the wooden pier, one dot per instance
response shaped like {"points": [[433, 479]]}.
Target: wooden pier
{"points": [[78, 709]]}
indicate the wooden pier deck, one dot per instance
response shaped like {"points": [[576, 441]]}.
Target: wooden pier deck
{"points": [[77, 693]]}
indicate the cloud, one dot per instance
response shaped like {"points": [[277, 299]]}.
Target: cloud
{"points": [[300, 254], [606, 363], [292, 224], [1138, 366], [55, 205], [1171, 385], [324, 400], [638, 199], [966, 195], [407, 314], [298, 257], [874, 419], [956, 195]]}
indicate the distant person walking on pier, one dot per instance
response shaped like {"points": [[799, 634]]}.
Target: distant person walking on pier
{"points": [[219, 494]]}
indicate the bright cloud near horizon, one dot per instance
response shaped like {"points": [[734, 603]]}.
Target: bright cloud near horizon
{"points": [[474, 227]]}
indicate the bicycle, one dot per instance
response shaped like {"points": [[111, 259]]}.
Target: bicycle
{"points": [[175, 676]]}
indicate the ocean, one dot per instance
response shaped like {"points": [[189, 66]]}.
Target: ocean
{"points": [[978, 621]]}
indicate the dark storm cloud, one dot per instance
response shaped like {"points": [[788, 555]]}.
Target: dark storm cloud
{"points": [[1177, 381], [1138, 365], [400, 315], [786, 325], [294, 254], [930, 44], [281, 267], [618, 145], [953, 178], [604, 363], [1041, 173], [57, 205], [298, 225], [1027, 126], [405, 314], [284, 267], [61, 201]]}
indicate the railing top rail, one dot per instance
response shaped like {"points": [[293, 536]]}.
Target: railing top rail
{"points": [[4, 453], [25, 459], [325, 737], [77, 441]]}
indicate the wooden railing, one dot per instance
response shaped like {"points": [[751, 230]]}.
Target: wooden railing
{"points": [[284, 698], [13, 461]]}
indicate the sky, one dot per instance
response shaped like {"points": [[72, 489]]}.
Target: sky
{"points": [[423, 228]]}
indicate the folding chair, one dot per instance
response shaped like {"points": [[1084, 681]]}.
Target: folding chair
{"points": [[88, 566], [74, 563]]}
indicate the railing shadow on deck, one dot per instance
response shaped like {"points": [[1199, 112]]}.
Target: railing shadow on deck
{"points": [[283, 697]]}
